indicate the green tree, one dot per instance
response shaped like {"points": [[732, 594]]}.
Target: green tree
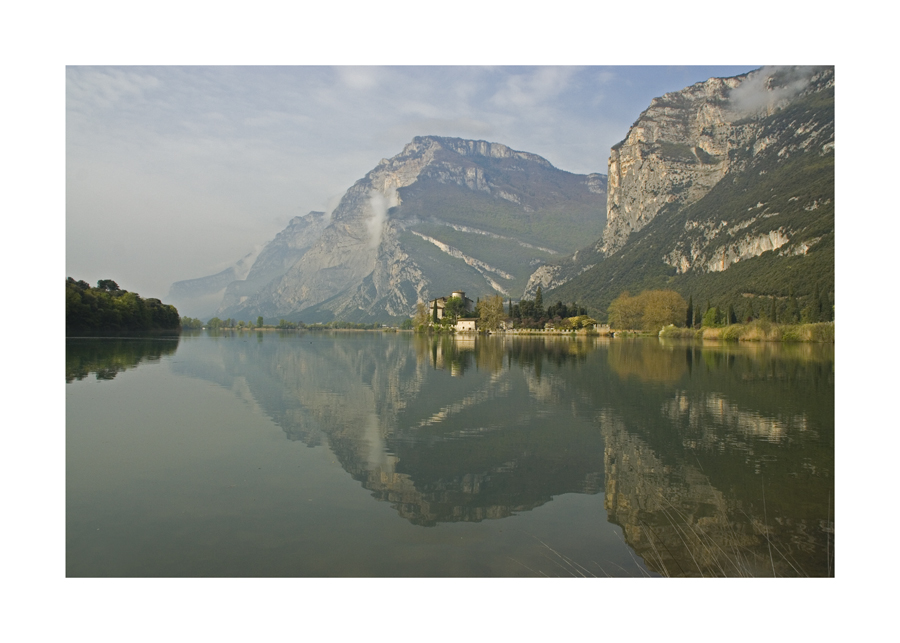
{"points": [[751, 314], [491, 313], [539, 303], [421, 316], [434, 316], [625, 312], [108, 285], [792, 314], [661, 308], [453, 308], [259, 321], [824, 307], [107, 307], [816, 305], [709, 318], [689, 317], [526, 309]]}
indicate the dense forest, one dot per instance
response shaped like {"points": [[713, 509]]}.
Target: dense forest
{"points": [[106, 307]]}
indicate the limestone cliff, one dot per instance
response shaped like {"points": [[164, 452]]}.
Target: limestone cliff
{"points": [[719, 173], [687, 141], [276, 258], [444, 214]]}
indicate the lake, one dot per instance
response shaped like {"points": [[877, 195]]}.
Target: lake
{"points": [[369, 454]]}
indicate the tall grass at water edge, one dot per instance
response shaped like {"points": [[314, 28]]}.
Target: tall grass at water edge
{"points": [[757, 331]]}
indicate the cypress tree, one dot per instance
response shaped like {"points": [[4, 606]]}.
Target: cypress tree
{"points": [[689, 319], [792, 316], [824, 307], [434, 312], [538, 303], [816, 305], [732, 318], [772, 313]]}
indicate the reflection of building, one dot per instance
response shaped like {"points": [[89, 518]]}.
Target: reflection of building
{"points": [[468, 304]]}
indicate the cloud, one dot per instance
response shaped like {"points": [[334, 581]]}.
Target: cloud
{"points": [[522, 90], [764, 90], [379, 204], [359, 77], [99, 87]]}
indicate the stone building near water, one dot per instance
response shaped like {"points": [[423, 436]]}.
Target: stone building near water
{"points": [[467, 324], [468, 304]]}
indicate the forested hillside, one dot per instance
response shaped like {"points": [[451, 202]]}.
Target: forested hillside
{"points": [[760, 240], [106, 307]]}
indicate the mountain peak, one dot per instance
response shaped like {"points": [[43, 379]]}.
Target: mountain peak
{"points": [[469, 148]]}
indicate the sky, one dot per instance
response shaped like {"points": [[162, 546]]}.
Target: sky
{"points": [[176, 172]]}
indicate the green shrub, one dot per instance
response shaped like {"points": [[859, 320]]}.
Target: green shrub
{"points": [[733, 333]]}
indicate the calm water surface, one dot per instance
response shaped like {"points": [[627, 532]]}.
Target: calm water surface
{"points": [[370, 454]]}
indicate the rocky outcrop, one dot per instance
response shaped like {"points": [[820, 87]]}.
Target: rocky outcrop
{"points": [[686, 173], [674, 154], [684, 143], [203, 296], [418, 222], [276, 258]]}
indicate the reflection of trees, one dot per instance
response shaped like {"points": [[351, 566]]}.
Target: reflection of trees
{"points": [[490, 353], [672, 516], [449, 430], [683, 524], [729, 469], [445, 352], [106, 357], [628, 358]]}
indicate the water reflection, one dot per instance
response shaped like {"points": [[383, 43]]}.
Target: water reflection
{"points": [[729, 471], [107, 357], [714, 460]]}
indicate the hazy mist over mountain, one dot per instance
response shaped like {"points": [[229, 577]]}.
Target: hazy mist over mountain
{"points": [[174, 172]]}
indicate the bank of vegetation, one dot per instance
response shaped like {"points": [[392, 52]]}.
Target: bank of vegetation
{"points": [[106, 307], [759, 330], [666, 313], [230, 323]]}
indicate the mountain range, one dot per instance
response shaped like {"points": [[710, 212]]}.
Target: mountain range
{"points": [[723, 190]]}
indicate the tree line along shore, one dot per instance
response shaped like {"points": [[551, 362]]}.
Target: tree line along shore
{"points": [[663, 313]]}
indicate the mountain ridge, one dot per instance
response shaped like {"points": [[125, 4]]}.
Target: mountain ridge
{"points": [[769, 214], [443, 214], [718, 190]]}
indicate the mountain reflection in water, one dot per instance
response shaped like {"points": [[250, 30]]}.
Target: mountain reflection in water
{"points": [[714, 460]]}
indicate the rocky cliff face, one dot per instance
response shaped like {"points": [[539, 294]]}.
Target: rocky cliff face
{"points": [[687, 141], [442, 215], [276, 258], [718, 173], [204, 295], [675, 152]]}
